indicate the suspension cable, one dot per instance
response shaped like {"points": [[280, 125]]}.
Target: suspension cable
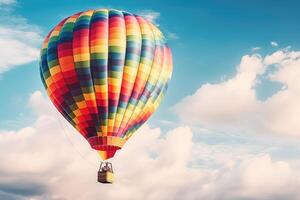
{"points": [[73, 145]]}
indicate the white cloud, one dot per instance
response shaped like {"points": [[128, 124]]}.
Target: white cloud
{"points": [[259, 178], [150, 15], [153, 17], [223, 103], [17, 47], [232, 105], [7, 2], [274, 44], [172, 36], [19, 40], [38, 162], [255, 48]]}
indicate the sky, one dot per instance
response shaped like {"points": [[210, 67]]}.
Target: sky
{"points": [[228, 127]]}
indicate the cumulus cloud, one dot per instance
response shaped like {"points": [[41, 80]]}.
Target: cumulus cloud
{"points": [[17, 47], [172, 36], [7, 2], [19, 40], [274, 44], [42, 162], [153, 17], [150, 15], [233, 105], [259, 178], [255, 48]]}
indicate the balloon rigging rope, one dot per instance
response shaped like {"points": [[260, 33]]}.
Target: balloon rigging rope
{"points": [[73, 145]]}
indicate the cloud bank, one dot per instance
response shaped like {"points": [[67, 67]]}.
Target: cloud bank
{"points": [[19, 41], [43, 162], [274, 44], [7, 2], [150, 15], [16, 47], [233, 105]]}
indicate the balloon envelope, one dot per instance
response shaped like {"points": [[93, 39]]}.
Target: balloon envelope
{"points": [[106, 71]]}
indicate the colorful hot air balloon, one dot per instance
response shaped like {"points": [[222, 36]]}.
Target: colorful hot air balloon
{"points": [[106, 71]]}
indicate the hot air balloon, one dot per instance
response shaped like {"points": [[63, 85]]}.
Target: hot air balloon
{"points": [[106, 71]]}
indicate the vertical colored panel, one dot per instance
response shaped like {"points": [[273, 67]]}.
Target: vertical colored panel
{"points": [[116, 59], [132, 60], [69, 74], [99, 62], [51, 88], [156, 97], [81, 56], [153, 80], [59, 88], [146, 60]]}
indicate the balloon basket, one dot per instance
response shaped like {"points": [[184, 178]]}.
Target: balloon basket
{"points": [[105, 173]]}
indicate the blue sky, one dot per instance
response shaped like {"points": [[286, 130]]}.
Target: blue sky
{"points": [[211, 37], [232, 105]]}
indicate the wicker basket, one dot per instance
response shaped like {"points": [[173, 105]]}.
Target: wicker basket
{"points": [[105, 177]]}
